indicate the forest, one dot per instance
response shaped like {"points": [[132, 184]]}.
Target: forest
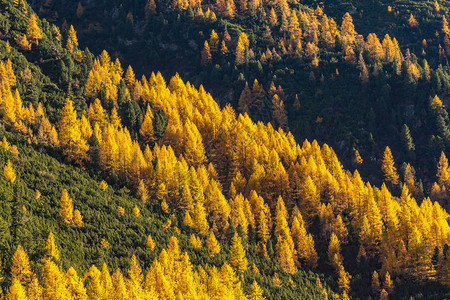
{"points": [[224, 149]]}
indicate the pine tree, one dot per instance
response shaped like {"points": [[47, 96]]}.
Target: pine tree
{"points": [[407, 142], [66, 207], [237, 254]]}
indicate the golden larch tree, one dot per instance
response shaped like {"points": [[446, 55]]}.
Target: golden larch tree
{"points": [[213, 244], [9, 172], [77, 219], [255, 292], [70, 138], [147, 133], [51, 247], [34, 32], [388, 168], [206, 54], [66, 207], [73, 35], [237, 254]]}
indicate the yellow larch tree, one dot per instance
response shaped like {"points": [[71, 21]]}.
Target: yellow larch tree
{"points": [[136, 211], [77, 219], [51, 247], [286, 255], [106, 282], [263, 227], [75, 285], [255, 292], [237, 254], [120, 289], [34, 32], [73, 144], [194, 150], [16, 291], [412, 21], [150, 243], [310, 199], [103, 185], [443, 171], [240, 53], [66, 207], [334, 252], [20, 268], [304, 242], [213, 245], [73, 35], [206, 54], [9, 172], [344, 280], [347, 27], [147, 133], [96, 114], [130, 77], [92, 283], [214, 42], [388, 168], [55, 284]]}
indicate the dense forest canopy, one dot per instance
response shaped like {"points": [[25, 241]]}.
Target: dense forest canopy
{"points": [[120, 182]]}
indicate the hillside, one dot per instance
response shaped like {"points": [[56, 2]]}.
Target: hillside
{"points": [[314, 58], [150, 189]]}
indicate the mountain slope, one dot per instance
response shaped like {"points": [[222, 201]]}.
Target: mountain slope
{"points": [[282, 213]]}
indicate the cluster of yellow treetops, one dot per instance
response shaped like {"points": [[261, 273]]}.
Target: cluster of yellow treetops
{"points": [[170, 276], [217, 166]]}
